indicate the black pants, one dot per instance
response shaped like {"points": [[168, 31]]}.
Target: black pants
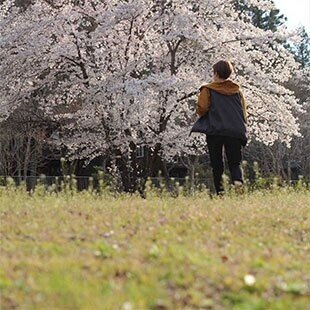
{"points": [[234, 157]]}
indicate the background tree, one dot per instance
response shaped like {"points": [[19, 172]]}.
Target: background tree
{"points": [[301, 49], [114, 75], [264, 19]]}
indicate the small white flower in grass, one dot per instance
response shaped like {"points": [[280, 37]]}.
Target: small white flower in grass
{"points": [[127, 306], [249, 279], [115, 246], [97, 253]]}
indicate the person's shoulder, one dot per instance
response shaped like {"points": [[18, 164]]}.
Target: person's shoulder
{"points": [[236, 84], [204, 86], [233, 83]]}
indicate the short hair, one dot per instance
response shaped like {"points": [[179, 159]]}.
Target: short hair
{"points": [[223, 68]]}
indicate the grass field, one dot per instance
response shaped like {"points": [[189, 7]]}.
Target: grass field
{"points": [[87, 252]]}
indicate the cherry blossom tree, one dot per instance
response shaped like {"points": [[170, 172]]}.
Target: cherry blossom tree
{"points": [[117, 75]]}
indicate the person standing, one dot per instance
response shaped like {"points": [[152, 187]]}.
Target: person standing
{"points": [[223, 113]]}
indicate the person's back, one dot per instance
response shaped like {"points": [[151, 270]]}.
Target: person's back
{"points": [[225, 116], [222, 107]]}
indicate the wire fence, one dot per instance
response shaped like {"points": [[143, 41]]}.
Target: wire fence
{"points": [[93, 182], [82, 182]]}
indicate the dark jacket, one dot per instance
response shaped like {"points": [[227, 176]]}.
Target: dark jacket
{"points": [[225, 112]]}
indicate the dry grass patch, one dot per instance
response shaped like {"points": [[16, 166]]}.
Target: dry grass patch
{"points": [[82, 251]]}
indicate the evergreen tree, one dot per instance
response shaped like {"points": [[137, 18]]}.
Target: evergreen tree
{"points": [[301, 50], [266, 20]]}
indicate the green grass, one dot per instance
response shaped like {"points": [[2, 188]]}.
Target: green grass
{"points": [[86, 252]]}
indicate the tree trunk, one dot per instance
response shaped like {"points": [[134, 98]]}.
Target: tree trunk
{"points": [[27, 156]]}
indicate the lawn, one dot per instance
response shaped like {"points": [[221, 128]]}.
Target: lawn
{"points": [[82, 251]]}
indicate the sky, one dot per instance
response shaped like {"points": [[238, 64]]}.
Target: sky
{"points": [[296, 11]]}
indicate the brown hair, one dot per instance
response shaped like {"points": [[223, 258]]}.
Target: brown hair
{"points": [[223, 69]]}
